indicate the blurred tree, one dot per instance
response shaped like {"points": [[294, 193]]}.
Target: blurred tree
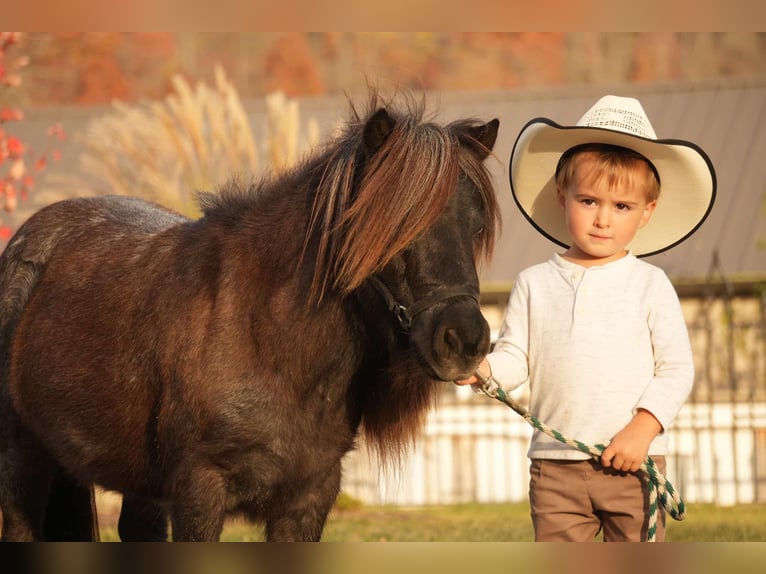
{"points": [[291, 68], [100, 67]]}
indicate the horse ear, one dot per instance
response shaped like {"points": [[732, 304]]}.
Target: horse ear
{"points": [[378, 127], [486, 135]]}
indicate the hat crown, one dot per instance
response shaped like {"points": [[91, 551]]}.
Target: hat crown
{"points": [[620, 114]]}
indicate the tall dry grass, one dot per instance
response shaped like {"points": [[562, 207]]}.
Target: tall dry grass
{"points": [[194, 140]]}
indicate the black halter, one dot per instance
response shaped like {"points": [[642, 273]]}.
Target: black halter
{"points": [[405, 315]]}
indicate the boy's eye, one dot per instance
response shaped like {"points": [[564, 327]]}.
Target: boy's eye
{"points": [[623, 207], [588, 201]]}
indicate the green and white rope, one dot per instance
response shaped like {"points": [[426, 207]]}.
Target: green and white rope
{"points": [[659, 487]]}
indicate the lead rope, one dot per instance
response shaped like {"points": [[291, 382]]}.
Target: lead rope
{"points": [[658, 485]]}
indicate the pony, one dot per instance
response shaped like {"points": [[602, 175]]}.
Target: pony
{"points": [[225, 365]]}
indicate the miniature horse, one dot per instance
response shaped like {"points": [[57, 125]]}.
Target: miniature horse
{"points": [[225, 365]]}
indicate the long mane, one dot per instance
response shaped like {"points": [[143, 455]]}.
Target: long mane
{"points": [[361, 222]]}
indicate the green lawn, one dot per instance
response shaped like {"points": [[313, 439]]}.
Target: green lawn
{"points": [[500, 523]]}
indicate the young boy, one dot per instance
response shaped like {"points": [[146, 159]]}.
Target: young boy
{"points": [[598, 333]]}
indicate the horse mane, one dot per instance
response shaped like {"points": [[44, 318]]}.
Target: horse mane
{"points": [[409, 179]]}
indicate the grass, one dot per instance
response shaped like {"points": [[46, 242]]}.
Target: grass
{"points": [[498, 523], [469, 522]]}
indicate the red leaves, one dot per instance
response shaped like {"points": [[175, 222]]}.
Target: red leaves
{"points": [[11, 148], [15, 179], [11, 115]]}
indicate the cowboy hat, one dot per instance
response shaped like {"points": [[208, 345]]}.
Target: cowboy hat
{"points": [[687, 177]]}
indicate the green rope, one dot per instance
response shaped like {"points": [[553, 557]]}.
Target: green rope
{"points": [[659, 487]]}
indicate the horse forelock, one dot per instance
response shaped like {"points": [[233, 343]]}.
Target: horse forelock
{"points": [[406, 186], [361, 223]]}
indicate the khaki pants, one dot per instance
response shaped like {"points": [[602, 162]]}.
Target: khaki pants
{"points": [[575, 500]]}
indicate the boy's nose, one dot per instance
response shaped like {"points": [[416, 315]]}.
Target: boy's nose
{"points": [[602, 219]]}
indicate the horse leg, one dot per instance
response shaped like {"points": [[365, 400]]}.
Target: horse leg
{"points": [[142, 520], [70, 515], [198, 505], [22, 521], [301, 516], [23, 513], [25, 482]]}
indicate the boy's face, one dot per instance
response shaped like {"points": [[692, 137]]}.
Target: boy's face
{"points": [[603, 216]]}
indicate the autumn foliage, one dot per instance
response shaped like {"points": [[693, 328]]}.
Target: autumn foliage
{"points": [[18, 164]]}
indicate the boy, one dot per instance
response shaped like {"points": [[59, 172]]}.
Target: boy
{"points": [[599, 334]]}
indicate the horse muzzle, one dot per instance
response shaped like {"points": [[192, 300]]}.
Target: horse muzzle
{"points": [[446, 327], [459, 340]]}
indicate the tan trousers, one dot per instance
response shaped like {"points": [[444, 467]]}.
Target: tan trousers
{"points": [[575, 500]]}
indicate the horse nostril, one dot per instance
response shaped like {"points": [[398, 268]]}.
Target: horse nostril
{"points": [[453, 342]]}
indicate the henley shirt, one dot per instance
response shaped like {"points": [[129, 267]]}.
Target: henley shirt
{"points": [[595, 344]]}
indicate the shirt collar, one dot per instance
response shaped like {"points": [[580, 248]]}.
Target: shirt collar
{"points": [[567, 265]]}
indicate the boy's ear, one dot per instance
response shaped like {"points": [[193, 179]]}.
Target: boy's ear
{"points": [[561, 197], [647, 215]]}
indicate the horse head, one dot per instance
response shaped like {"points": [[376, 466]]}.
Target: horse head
{"points": [[431, 286]]}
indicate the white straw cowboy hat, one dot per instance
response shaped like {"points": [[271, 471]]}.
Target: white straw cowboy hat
{"points": [[687, 177]]}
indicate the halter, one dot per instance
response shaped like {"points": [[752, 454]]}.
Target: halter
{"points": [[405, 315]]}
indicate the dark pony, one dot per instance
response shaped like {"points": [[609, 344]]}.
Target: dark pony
{"points": [[226, 365]]}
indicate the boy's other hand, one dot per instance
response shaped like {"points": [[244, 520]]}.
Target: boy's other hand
{"points": [[630, 447]]}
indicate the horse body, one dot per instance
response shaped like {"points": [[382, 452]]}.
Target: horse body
{"points": [[238, 408], [216, 366]]}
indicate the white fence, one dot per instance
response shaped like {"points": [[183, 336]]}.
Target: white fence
{"points": [[474, 450], [718, 453]]}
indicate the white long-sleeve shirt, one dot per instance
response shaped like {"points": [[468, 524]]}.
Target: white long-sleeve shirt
{"points": [[595, 344]]}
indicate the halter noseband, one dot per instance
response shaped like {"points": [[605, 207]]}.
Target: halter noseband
{"points": [[405, 315]]}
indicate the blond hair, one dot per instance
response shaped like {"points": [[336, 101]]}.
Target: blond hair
{"points": [[618, 164]]}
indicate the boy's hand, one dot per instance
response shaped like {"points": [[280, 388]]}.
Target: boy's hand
{"points": [[473, 379], [630, 447]]}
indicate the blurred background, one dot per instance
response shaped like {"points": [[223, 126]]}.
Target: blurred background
{"points": [[76, 69]]}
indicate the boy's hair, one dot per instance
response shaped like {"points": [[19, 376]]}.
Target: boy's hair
{"points": [[613, 162]]}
